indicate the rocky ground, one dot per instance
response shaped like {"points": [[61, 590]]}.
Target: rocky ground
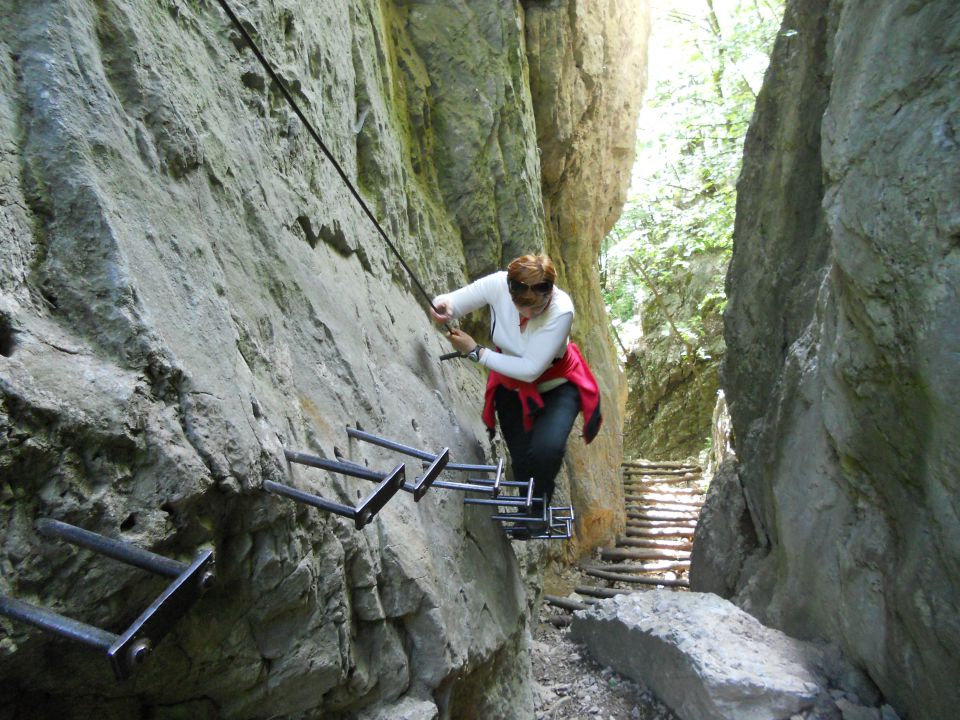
{"points": [[569, 684]]}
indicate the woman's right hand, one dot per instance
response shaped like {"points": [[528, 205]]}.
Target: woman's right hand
{"points": [[441, 312]]}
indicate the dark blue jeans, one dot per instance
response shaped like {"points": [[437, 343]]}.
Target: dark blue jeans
{"points": [[538, 454]]}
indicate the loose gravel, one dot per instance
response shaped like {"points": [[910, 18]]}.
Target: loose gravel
{"points": [[569, 684]]}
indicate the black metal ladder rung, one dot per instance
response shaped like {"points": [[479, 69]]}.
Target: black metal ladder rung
{"points": [[474, 485], [129, 649], [503, 483], [521, 517], [552, 532], [569, 517], [503, 501], [430, 473], [509, 500], [363, 513], [556, 526], [424, 482]]}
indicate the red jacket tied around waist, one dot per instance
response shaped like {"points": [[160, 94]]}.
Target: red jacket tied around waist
{"points": [[574, 369]]}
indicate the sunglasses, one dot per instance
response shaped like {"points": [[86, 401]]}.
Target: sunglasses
{"points": [[518, 288]]}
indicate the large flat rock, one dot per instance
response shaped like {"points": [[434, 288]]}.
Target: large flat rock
{"points": [[406, 708], [702, 655]]}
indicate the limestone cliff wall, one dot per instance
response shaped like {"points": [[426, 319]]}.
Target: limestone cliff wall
{"points": [[843, 339], [186, 288], [674, 387]]}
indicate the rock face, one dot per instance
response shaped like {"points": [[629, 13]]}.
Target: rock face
{"points": [[725, 540], [703, 656], [675, 380], [843, 331], [187, 288]]}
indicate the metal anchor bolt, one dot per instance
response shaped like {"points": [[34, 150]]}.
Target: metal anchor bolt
{"points": [[139, 651]]}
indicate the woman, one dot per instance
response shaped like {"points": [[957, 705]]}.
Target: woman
{"points": [[538, 379]]}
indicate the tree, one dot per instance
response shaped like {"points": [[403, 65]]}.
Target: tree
{"points": [[689, 151]]}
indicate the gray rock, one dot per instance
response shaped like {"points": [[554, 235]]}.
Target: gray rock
{"points": [[724, 539], [843, 328], [187, 288], [888, 713], [851, 711], [406, 708], [701, 655]]}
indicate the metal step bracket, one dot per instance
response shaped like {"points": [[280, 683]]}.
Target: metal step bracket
{"points": [[506, 500], [503, 501], [561, 514], [131, 648], [556, 523], [473, 485], [363, 513], [519, 517], [424, 482], [430, 473]]}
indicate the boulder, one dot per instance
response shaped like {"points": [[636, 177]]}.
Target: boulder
{"points": [[406, 708], [724, 539], [702, 655]]}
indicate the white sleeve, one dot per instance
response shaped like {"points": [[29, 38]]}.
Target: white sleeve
{"points": [[544, 346], [473, 296]]}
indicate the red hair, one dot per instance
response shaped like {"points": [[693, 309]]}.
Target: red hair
{"points": [[530, 270]]}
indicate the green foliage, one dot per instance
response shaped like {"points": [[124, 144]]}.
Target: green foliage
{"points": [[688, 157]]}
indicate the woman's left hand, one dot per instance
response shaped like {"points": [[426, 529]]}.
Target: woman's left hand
{"points": [[461, 341]]}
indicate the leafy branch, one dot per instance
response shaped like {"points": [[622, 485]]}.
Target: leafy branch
{"points": [[684, 203], [691, 350]]}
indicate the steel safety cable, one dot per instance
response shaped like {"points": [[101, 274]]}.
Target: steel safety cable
{"points": [[316, 136]]}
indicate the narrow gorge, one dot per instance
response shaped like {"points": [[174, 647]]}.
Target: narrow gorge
{"points": [[189, 291]]}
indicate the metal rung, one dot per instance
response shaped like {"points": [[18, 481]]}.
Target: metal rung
{"points": [[337, 466], [541, 536], [429, 462], [511, 501], [424, 482], [129, 649], [557, 522], [505, 483], [556, 516], [517, 517], [521, 518], [502, 501], [497, 481], [552, 532], [359, 434], [362, 514], [463, 487], [469, 467], [389, 444], [493, 486]]}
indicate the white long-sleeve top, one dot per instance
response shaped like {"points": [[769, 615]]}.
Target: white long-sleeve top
{"points": [[524, 352]]}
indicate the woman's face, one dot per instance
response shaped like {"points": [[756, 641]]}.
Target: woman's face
{"points": [[531, 295], [531, 311]]}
